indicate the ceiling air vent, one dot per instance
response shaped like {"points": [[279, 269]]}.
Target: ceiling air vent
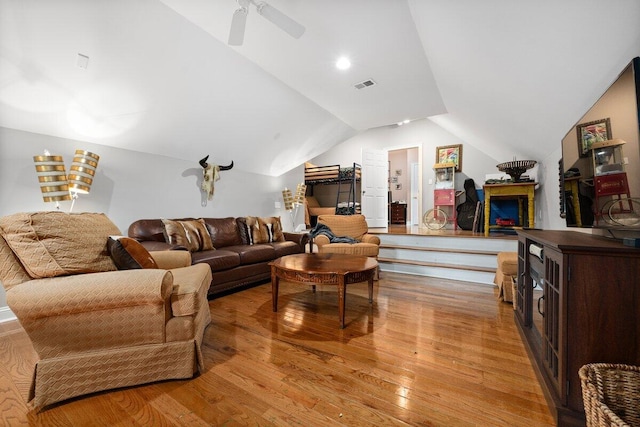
{"points": [[364, 84]]}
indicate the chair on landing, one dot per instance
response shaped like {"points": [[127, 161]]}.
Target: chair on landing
{"points": [[354, 226]]}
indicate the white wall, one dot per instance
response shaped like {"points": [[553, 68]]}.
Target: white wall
{"points": [[548, 197], [424, 133], [131, 185]]}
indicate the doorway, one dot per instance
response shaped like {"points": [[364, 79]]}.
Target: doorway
{"points": [[405, 181]]}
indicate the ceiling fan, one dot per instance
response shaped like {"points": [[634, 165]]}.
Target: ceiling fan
{"points": [[239, 20]]}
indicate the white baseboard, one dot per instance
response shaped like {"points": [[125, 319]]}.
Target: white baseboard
{"points": [[6, 314]]}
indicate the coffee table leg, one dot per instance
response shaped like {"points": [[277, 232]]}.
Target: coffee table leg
{"points": [[275, 281], [371, 290], [342, 290]]}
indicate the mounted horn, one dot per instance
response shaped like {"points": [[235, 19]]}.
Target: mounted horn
{"points": [[203, 162], [226, 168]]}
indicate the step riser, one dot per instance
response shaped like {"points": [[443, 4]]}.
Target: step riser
{"points": [[443, 273], [471, 244], [451, 258], [426, 251]]}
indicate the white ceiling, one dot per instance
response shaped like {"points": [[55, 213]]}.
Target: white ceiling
{"points": [[508, 77]]}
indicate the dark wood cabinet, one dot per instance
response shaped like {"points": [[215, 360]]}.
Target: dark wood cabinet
{"points": [[398, 213], [577, 302]]}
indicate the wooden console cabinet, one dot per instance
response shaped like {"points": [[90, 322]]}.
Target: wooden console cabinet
{"points": [[398, 213], [584, 309]]}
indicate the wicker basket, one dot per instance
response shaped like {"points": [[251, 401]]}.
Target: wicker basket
{"points": [[611, 394]]}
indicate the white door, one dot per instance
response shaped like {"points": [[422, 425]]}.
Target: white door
{"points": [[374, 187]]}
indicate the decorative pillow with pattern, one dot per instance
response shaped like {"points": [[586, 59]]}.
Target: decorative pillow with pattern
{"points": [[192, 234], [253, 230], [128, 253], [271, 229], [51, 244]]}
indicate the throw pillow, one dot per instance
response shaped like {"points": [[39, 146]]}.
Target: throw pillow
{"points": [[253, 230], [128, 253], [192, 234], [51, 244], [271, 229]]}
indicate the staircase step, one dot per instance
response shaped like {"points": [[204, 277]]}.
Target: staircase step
{"points": [[472, 259], [437, 249], [437, 264]]}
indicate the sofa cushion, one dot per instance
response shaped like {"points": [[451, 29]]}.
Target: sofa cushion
{"points": [[147, 230], [128, 253], [218, 260], [250, 254], [192, 234], [190, 286], [51, 244], [363, 249], [223, 232]]}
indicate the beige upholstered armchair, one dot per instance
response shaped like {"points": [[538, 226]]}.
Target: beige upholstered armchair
{"points": [[95, 327], [354, 226]]}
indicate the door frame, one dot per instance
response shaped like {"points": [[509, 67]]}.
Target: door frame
{"points": [[420, 172]]}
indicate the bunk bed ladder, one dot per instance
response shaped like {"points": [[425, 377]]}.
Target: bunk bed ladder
{"points": [[349, 191]]}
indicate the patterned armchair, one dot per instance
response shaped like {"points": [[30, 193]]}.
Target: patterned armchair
{"points": [[95, 327], [354, 226]]}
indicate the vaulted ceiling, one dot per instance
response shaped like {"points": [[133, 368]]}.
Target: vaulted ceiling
{"points": [[508, 77]]}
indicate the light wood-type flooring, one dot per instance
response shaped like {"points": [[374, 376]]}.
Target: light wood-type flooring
{"points": [[428, 352]]}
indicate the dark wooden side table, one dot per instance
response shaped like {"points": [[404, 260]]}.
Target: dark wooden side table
{"points": [[326, 269], [398, 213]]}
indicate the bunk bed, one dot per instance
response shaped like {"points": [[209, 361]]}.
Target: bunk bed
{"points": [[331, 174], [347, 196]]}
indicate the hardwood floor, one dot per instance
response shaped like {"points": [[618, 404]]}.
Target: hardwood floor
{"points": [[428, 352]]}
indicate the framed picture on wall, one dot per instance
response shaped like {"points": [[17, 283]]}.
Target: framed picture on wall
{"points": [[450, 154], [588, 133]]}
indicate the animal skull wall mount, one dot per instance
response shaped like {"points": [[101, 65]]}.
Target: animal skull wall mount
{"points": [[211, 174]]}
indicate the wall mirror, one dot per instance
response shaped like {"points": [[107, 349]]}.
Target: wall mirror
{"points": [[600, 166]]}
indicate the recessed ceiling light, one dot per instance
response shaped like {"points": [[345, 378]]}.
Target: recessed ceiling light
{"points": [[405, 121], [343, 63]]}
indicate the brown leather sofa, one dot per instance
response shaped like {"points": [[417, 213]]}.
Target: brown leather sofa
{"points": [[234, 261]]}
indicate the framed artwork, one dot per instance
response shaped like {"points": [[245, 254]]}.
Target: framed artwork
{"points": [[450, 154], [588, 133]]}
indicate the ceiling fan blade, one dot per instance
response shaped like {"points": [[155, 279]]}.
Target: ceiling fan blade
{"points": [[238, 23], [285, 23]]}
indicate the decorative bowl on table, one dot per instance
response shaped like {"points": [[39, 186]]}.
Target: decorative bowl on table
{"points": [[516, 168]]}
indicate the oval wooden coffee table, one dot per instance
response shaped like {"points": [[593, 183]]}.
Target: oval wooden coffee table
{"points": [[326, 269]]}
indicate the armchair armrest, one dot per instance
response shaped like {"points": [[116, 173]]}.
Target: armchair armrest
{"points": [[321, 240], [96, 311], [171, 259], [371, 238], [81, 293]]}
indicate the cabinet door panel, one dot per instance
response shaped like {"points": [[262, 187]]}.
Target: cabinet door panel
{"points": [[554, 322], [604, 319]]}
